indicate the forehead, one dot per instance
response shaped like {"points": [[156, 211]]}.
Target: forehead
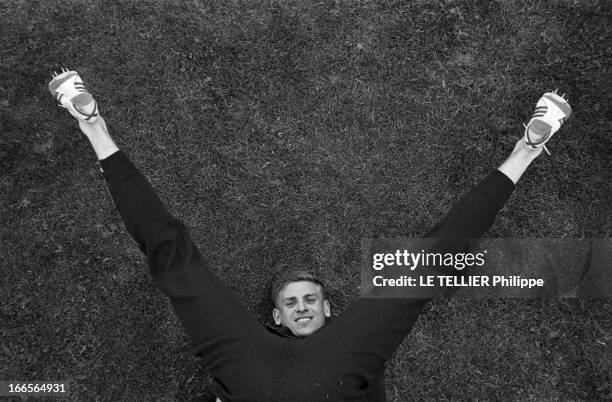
{"points": [[299, 289]]}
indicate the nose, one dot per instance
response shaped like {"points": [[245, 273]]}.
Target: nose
{"points": [[302, 306]]}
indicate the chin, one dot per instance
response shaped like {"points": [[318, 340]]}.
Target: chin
{"points": [[305, 331]]}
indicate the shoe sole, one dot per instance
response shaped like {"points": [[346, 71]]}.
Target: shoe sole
{"points": [[59, 80], [559, 102], [539, 127], [81, 100]]}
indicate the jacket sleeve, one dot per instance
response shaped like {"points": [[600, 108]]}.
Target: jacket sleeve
{"points": [[201, 301], [160, 236]]}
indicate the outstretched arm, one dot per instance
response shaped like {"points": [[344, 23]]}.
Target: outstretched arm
{"points": [[161, 237], [202, 302], [382, 318]]}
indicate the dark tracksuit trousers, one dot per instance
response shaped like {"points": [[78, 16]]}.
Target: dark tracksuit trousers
{"points": [[341, 361]]}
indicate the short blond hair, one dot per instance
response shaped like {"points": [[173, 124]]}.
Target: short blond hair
{"points": [[286, 278]]}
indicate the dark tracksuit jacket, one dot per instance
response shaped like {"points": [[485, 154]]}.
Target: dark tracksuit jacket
{"points": [[344, 360]]}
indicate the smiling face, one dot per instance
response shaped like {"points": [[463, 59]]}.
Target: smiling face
{"points": [[301, 308]]}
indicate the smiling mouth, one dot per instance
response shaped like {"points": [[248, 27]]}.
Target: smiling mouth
{"points": [[303, 319]]}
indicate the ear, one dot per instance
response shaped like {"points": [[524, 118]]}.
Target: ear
{"points": [[326, 308], [277, 316]]}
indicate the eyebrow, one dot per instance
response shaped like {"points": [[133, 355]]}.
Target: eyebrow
{"points": [[295, 298]]}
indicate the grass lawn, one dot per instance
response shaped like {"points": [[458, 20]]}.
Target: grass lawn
{"points": [[282, 133]]}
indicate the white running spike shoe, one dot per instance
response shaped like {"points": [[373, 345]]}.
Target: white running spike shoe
{"points": [[67, 87], [550, 113]]}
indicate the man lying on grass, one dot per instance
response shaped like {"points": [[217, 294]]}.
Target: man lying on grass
{"points": [[307, 358]]}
